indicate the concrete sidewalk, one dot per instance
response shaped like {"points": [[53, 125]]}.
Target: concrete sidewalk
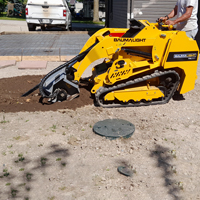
{"points": [[13, 26], [11, 68]]}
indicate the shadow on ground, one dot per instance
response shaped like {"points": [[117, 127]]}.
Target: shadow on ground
{"points": [[178, 97], [21, 185], [164, 157]]}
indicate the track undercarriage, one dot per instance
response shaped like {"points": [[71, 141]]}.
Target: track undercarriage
{"points": [[138, 95]]}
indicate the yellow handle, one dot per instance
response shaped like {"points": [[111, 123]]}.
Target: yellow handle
{"points": [[170, 27]]}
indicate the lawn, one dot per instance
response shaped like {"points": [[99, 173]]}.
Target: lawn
{"points": [[12, 18], [3, 16], [87, 22]]}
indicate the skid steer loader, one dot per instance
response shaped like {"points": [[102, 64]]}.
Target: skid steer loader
{"points": [[143, 65]]}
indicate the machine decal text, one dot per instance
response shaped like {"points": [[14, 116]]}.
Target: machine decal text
{"points": [[189, 56], [129, 39], [182, 56], [120, 73]]}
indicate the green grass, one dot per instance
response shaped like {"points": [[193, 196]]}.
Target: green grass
{"points": [[4, 17], [53, 128], [63, 188], [87, 22], [4, 121], [12, 18], [51, 198], [6, 173], [21, 158], [29, 176], [43, 161], [17, 138]]}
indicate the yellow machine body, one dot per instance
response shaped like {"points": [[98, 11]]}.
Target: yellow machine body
{"points": [[142, 65], [129, 57]]}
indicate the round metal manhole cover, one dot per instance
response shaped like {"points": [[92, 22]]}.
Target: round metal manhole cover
{"points": [[114, 128]]}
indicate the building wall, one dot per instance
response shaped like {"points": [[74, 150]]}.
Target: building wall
{"points": [[117, 13], [130, 8]]}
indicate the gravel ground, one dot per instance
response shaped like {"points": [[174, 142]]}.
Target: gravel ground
{"points": [[56, 155]]}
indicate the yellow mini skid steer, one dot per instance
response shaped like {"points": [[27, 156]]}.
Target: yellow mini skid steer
{"points": [[143, 65]]}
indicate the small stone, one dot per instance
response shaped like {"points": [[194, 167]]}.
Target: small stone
{"points": [[78, 139], [118, 152], [28, 100]]}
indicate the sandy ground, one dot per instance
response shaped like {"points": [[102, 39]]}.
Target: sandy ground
{"points": [[56, 155]]}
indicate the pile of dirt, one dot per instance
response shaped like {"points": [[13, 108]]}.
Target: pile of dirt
{"points": [[11, 90]]}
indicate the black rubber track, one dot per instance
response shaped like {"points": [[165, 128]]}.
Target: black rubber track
{"points": [[101, 92]]}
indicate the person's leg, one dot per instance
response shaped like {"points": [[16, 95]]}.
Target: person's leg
{"points": [[192, 33]]}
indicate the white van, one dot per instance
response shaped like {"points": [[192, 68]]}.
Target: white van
{"points": [[48, 13]]}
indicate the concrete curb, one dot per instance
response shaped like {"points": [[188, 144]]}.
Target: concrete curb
{"points": [[17, 58], [48, 32], [37, 58]]}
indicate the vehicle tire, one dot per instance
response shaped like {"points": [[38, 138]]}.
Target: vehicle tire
{"points": [[43, 28], [67, 28], [62, 95], [31, 27], [70, 28], [64, 28]]}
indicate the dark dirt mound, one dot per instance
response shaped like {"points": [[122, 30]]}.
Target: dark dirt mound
{"points": [[11, 90]]}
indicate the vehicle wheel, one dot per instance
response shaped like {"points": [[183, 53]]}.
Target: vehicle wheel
{"points": [[31, 27], [70, 28], [62, 95], [64, 28], [43, 28], [67, 28]]}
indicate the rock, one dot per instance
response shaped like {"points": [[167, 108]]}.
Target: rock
{"points": [[130, 151], [131, 188]]}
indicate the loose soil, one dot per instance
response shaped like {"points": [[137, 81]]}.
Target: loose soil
{"points": [[11, 90]]}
